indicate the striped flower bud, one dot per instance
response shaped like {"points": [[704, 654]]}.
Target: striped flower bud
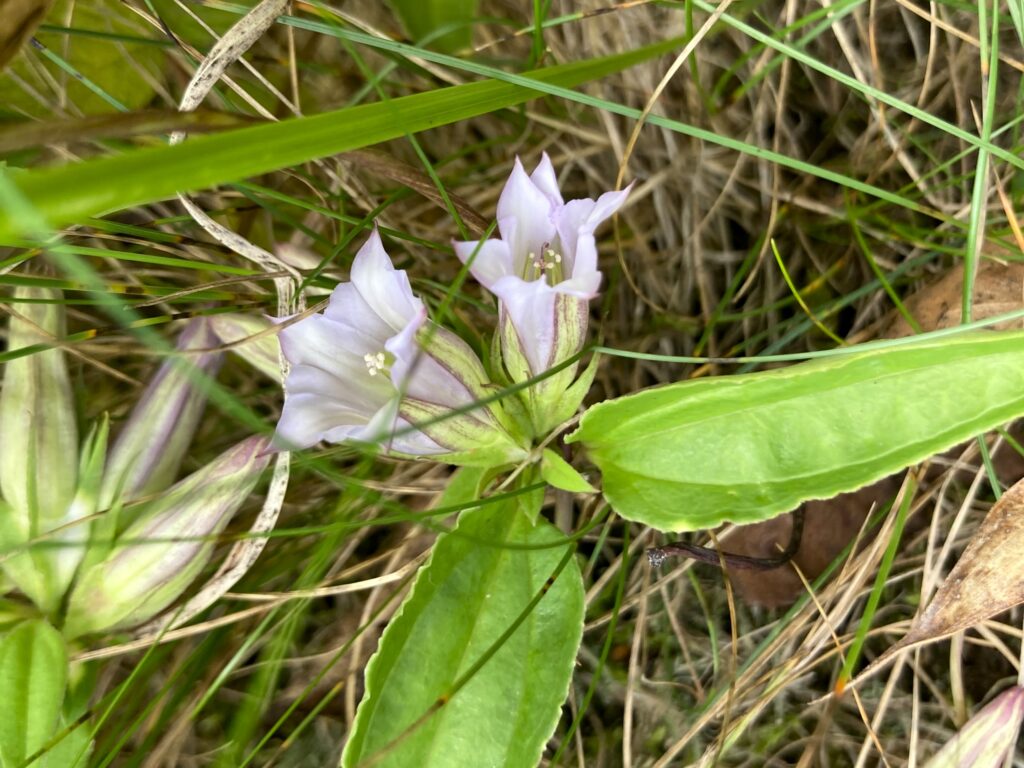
{"points": [[166, 547], [148, 452], [986, 738], [259, 346], [38, 447]]}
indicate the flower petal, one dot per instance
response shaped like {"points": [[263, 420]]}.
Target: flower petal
{"points": [[576, 224], [586, 286], [348, 307], [415, 373], [492, 261], [307, 418], [531, 307], [544, 179], [526, 205], [385, 289], [362, 393], [319, 341]]}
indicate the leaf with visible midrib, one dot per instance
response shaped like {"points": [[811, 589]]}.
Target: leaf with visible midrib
{"points": [[745, 448], [473, 588], [33, 673]]}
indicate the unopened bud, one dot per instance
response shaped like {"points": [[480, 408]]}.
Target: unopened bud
{"points": [[148, 452], [39, 443], [260, 347], [159, 555]]}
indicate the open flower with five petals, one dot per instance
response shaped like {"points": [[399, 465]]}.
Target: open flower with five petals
{"points": [[544, 271], [373, 369]]}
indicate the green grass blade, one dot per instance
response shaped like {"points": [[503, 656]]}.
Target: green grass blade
{"points": [[72, 193]]}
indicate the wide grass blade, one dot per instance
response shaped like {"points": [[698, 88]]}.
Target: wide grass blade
{"points": [[72, 193]]}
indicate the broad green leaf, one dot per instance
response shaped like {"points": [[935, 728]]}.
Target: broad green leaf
{"points": [[72, 751], [33, 674], [472, 590], [424, 18], [465, 485], [75, 192], [558, 472], [745, 448]]}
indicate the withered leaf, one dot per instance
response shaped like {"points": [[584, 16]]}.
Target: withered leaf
{"points": [[987, 579]]}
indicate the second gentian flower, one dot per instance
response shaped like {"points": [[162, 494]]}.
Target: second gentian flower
{"points": [[544, 272]]}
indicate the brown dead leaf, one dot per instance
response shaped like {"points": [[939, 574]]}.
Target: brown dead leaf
{"points": [[998, 288], [18, 20], [987, 579], [828, 527]]}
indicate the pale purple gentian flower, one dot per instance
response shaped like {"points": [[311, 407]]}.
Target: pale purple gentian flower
{"points": [[543, 270], [373, 369]]}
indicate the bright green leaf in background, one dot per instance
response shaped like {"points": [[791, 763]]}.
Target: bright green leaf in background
{"points": [[424, 18], [479, 580], [744, 448], [33, 675]]}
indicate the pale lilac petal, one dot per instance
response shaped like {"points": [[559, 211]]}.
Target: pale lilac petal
{"points": [[385, 289], [419, 375], [544, 178], [347, 307], [570, 221], [531, 307], [525, 204], [584, 262], [577, 221], [586, 286], [492, 261], [319, 341], [307, 419], [362, 393]]}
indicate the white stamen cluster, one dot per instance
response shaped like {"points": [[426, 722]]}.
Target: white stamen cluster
{"points": [[374, 362], [554, 258], [542, 264]]}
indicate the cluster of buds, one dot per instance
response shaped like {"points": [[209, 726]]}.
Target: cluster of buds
{"points": [[103, 534], [373, 369]]}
